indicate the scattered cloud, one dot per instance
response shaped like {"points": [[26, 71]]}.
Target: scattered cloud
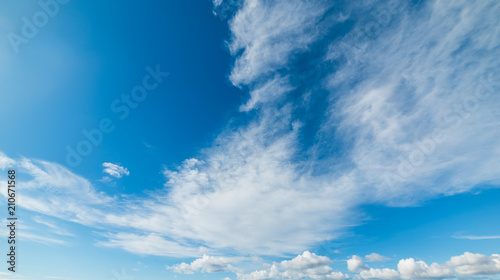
{"points": [[311, 266], [411, 269], [466, 264], [305, 266], [206, 264], [472, 264], [379, 273], [355, 264], [115, 170]]}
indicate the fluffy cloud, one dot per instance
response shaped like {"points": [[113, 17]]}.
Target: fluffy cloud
{"points": [[115, 170], [207, 264], [466, 264], [411, 269], [305, 266], [355, 264], [470, 264], [379, 273], [307, 260], [311, 266]]}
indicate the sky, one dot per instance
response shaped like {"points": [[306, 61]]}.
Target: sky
{"points": [[251, 139]]}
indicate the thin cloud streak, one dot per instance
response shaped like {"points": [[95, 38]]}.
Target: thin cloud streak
{"points": [[475, 237]]}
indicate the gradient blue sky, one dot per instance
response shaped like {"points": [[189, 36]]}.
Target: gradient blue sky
{"points": [[290, 140]]}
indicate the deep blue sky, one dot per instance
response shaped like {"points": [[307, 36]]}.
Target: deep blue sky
{"points": [[105, 57]]}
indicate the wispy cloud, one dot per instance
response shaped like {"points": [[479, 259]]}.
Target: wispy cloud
{"points": [[72, 197], [150, 244], [262, 32], [5, 162], [43, 240], [115, 170], [476, 237], [34, 235], [415, 111], [53, 228]]}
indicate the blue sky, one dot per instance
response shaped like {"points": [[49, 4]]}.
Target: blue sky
{"points": [[252, 139]]}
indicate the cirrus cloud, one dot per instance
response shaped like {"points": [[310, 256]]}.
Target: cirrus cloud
{"points": [[115, 170]]}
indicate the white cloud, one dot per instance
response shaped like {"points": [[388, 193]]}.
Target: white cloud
{"points": [[33, 234], [115, 170], [379, 125], [208, 264], [466, 264], [355, 264], [379, 273], [43, 239], [413, 84], [53, 190], [263, 30], [312, 266], [306, 261], [5, 162], [411, 269], [471, 264], [374, 257], [476, 237], [150, 244], [305, 266], [52, 227]]}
